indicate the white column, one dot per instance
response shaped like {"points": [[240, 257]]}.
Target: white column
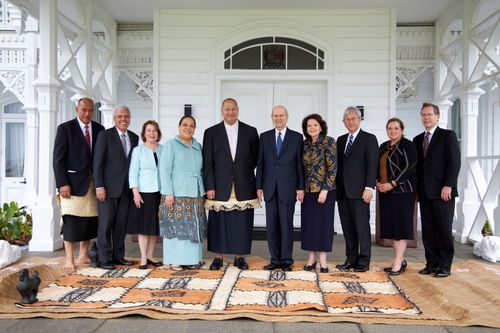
{"points": [[30, 107], [46, 214], [444, 111], [107, 115], [468, 200]]}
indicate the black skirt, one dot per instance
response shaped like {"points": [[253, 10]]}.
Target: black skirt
{"points": [[76, 228], [144, 220], [317, 222], [230, 232], [396, 215]]}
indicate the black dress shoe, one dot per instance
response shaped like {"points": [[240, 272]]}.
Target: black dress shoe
{"points": [[442, 273], [143, 266], [155, 263], [123, 262], [428, 270], [310, 267], [345, 266], [108, 266], [272, 266], [216, 264], [286, 267], [240, 263], [323, 270], [360, 269]]}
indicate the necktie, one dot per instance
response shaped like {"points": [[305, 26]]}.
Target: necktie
{"points": [[124, 144], [279, 142], [426, 142], [349, 145], [87, 136]]}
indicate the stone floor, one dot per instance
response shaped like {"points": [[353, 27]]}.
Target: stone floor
{"points": [[130, 324]]}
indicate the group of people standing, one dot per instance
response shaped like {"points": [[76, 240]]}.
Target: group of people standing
{"points": [[164, 190]]}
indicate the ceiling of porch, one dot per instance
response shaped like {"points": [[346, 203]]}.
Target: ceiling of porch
{"points": [[408, 11]]}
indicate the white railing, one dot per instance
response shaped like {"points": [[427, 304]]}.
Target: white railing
{"points": [[485, 171]]}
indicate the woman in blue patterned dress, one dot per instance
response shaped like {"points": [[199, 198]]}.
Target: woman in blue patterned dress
{"points": [[183, 221], [317, 210]]}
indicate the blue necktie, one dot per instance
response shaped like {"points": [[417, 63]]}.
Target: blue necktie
{"points": [[279, 142], [349, 145]]}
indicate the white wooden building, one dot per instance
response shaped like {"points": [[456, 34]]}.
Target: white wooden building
{"points": [[158, 57]]}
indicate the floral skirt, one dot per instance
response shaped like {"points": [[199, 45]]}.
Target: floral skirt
{"points": [[187, 219]]}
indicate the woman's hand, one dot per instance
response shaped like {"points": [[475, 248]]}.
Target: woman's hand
{"points": [[137, 197], [384, 187], [169, 201], [322, 196]]}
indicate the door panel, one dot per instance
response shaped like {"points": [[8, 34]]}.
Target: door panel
{"points": [[256, 100], [13, 157]]}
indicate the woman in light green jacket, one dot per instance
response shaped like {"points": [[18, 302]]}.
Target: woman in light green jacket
{"points": [[183, 221]]}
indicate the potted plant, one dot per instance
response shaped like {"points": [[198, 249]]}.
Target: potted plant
{"points": [[15, 224]]}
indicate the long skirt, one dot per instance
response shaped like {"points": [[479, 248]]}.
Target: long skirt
{"points": [[181, 252], [230, 232], [396, 215], [144, 220], [317, 222]]}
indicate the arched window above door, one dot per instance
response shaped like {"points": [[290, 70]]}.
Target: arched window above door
{"points": [[278, 53]]}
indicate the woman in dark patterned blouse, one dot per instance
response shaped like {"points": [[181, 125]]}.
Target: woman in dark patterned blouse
{"points": [[396, 185], [317, 211]]}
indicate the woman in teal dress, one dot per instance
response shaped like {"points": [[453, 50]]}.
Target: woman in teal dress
{"points": [[183, 222]]}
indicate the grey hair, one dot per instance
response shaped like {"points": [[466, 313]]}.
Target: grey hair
{"points": [[119, 107], [279, 106], [351, 109]]}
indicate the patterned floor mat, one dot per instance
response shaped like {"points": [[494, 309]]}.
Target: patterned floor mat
{"points": [[229, 289]]}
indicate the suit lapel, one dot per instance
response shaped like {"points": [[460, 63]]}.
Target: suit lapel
{"points": [[118, 141], [78, 130], [241, 137], [434, 139], [285, 143], [356, 141], [224, 140]]}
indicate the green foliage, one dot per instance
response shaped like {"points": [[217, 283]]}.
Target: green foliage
{"points": [[15, 224]]}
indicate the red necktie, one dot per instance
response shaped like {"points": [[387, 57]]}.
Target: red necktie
{"points": [[87, 136]]}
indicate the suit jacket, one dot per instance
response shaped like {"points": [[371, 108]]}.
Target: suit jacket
{"points": [[401, 163], [143, 172], [283, 171], [219, 169], [72, 160], [110, 163], [441, 165], [359, 169]]}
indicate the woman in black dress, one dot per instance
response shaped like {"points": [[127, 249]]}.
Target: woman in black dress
{"points": [[396, 185], [318, 206]]}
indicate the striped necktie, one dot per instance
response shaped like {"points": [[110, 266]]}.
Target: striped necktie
{"points": [[87, 136], [426, 142], [349, 145]]}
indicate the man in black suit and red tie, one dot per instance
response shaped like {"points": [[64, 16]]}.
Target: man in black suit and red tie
{"points": [[438, 166], [280, 182], [357, 158], [111, 164], [72, 163]]}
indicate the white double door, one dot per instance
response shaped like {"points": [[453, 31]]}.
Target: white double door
{"points": [[256, 100]]}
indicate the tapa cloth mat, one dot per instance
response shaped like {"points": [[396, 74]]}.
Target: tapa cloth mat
{"points": [[467, 297]]}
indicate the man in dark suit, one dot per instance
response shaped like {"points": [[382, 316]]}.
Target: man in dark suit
{"points": [[280, 181], [229, 158], [72, 164], [356, 175], [438, 165], [111, 163]]}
